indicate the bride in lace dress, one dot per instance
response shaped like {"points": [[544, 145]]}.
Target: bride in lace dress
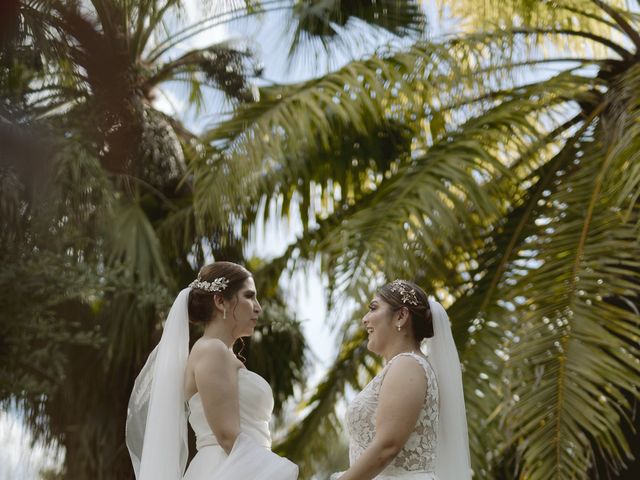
{"points": [[409, 422], [228, 406]]}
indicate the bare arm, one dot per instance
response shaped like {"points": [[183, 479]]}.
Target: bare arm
{"points": [[216, 375], [399, 404]]}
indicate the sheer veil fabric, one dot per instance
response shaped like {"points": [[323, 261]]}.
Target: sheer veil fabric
{"points": [[156, 429], [453, 459]]}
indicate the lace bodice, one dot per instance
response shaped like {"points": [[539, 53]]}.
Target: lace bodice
{"points": [[419, 453]]}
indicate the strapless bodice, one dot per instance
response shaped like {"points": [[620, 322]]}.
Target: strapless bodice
{"points": [[256, 406]]}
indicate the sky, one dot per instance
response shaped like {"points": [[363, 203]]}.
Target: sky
{"points": [[19, 459], [266, 37]]}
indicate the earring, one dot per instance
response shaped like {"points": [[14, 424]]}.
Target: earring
{"points": [[224, 314], [398, 328]]}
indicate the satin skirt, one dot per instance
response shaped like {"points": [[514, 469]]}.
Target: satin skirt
{"points": [[395, 472], [398, 475], [247, 460]]}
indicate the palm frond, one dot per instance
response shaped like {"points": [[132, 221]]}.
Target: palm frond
{"points": [[575, 14], [224, 66], [578, 342], [479, 309], [325, 22], [312, 436], [355, 99], [136, 245]]}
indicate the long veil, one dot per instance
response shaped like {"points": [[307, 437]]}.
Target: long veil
{"points": [[453, 459], [156, 428]]}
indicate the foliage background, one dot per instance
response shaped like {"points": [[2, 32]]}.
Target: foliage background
{"points": [[490, 154]]}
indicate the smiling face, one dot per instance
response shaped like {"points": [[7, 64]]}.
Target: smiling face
{"points": [[379, 323], [244, 309]]}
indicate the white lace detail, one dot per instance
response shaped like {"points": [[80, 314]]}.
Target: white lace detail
{"points": [[419, 453]]}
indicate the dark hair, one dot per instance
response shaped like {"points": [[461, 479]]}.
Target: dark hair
{"points": [[421, 322], [201, 302]]}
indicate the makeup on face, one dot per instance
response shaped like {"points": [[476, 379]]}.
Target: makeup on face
{"points": [[378, 324], [247, 309]]}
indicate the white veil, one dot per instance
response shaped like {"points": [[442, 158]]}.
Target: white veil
{"points": [[156, 429], [453, 459]]}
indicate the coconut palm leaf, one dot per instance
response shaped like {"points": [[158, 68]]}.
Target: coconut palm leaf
{"points": [[368, 108], [575, 15], [480, 303], [312, 436], [323, 22], [580, 354], [220, 66], [405, 192], [487, 282]]}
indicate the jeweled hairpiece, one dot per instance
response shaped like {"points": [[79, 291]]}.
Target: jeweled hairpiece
{"points": [[218, 284], [407, 293]]}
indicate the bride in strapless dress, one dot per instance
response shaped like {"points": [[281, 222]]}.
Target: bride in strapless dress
{"points": [[256, 404], [228, 406], [251, 451]]}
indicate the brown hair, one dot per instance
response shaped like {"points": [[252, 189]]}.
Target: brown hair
{"points": [[201, 301], [421, 322]]}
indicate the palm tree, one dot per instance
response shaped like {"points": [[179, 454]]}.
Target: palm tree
{"points": [[498, 167], [102, 224], [92, 263]]}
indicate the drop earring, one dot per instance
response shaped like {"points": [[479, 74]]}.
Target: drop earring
{"points": [[224, 314], [398, 328]]}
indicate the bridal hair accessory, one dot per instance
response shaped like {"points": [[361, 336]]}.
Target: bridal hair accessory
{"points": [[218, 284], [407, 293], [156, 428]]}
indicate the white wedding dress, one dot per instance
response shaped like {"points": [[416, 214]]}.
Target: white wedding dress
{"points": [[251, 456], [417, 459]]}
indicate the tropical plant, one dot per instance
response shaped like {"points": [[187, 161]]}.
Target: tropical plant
{"points": [[101, 224], [98, 227], [498, 167]]}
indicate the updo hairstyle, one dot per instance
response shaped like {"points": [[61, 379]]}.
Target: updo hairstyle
{"points": [[201, 305], [421, 322]]}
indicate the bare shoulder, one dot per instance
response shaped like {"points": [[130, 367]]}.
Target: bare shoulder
{"points": [[401, 398], [214, 351], [406, 370]]}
